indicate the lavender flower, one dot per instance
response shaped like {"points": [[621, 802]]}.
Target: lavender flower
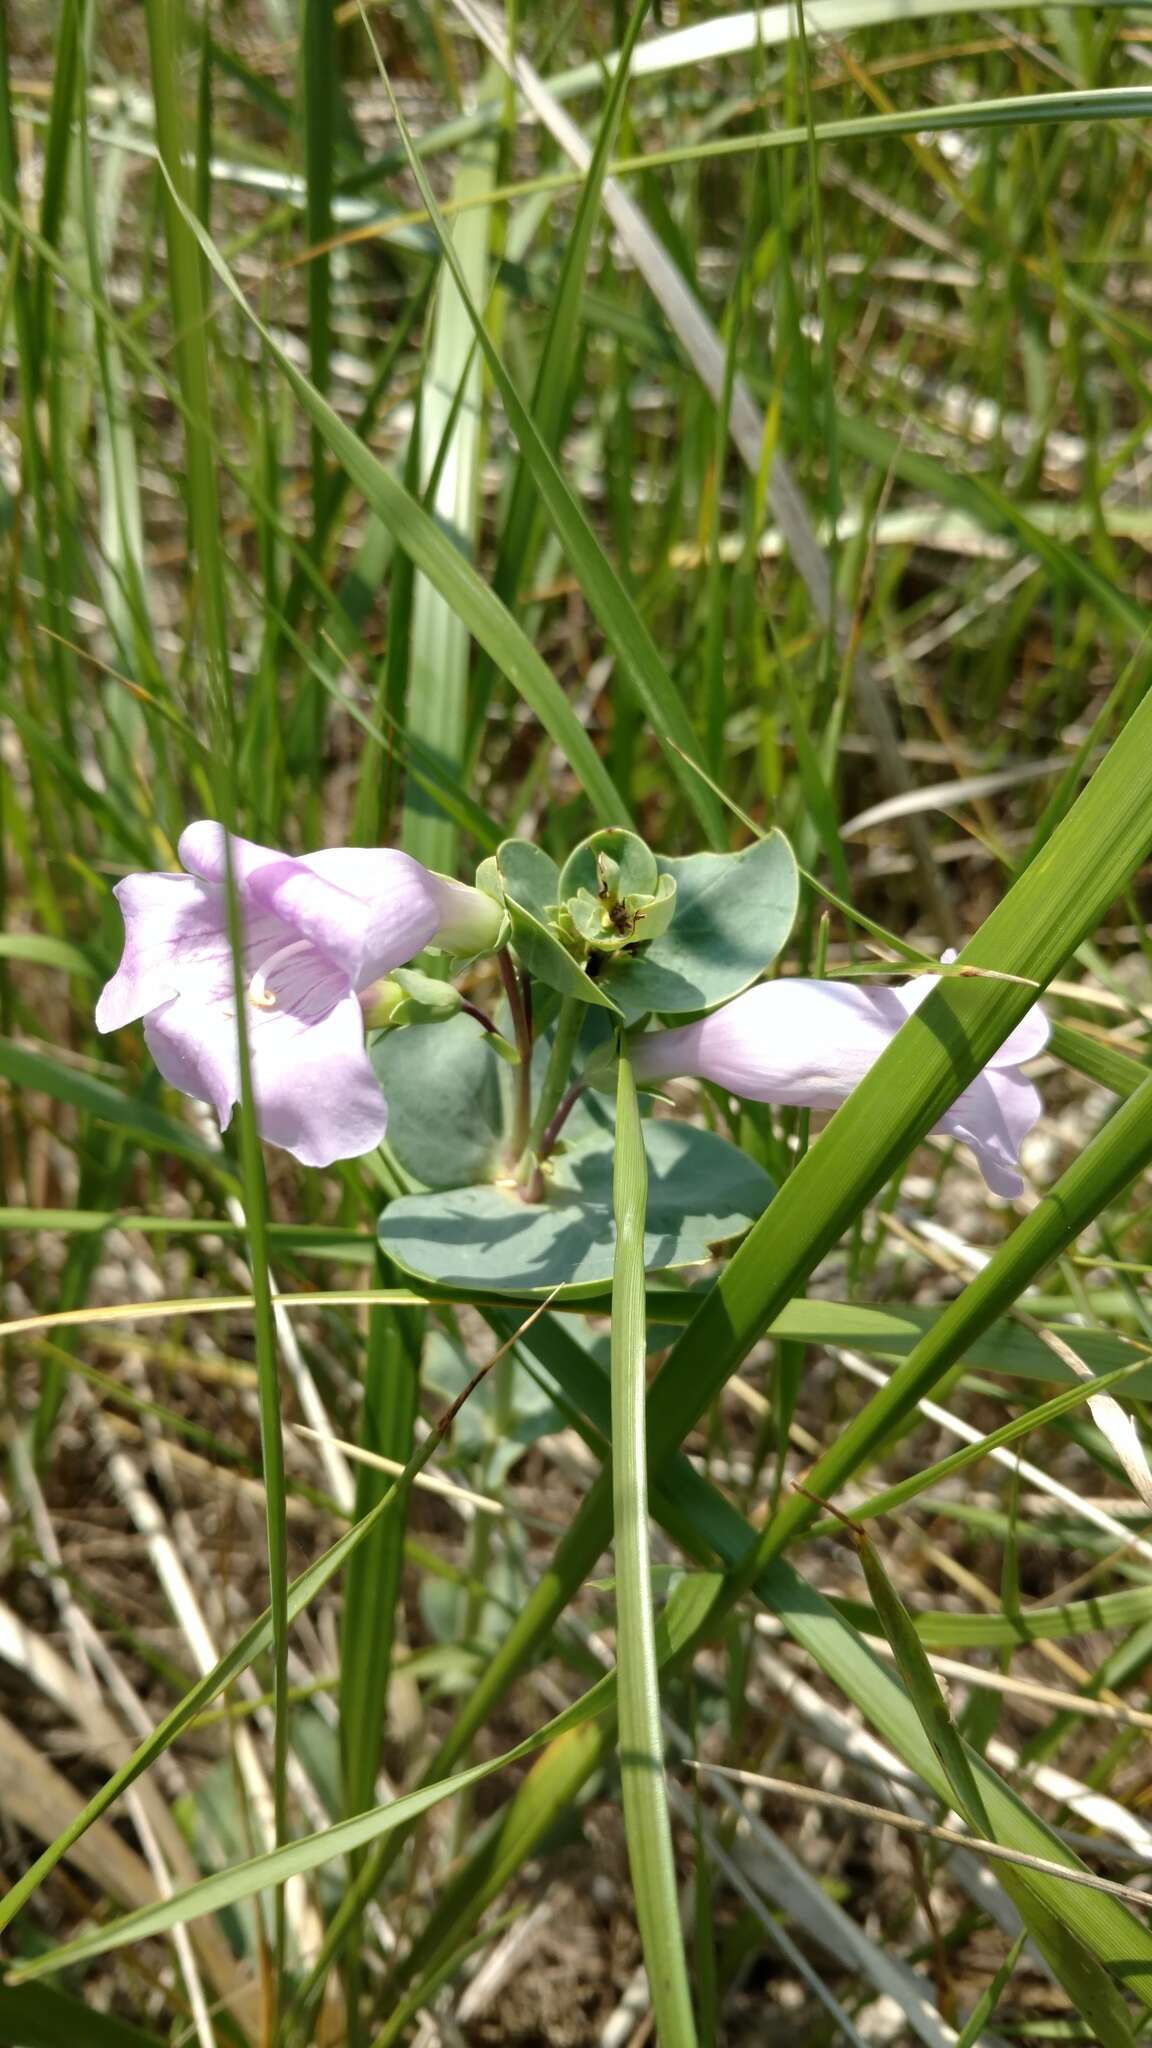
{"points": [[807, 1043], [316, 932]]}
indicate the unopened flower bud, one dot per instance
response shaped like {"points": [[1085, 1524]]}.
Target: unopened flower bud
{"points": [[470, 921], [380, 1002]]}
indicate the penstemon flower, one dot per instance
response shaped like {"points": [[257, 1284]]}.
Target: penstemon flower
{"points": [[317, 932], [807, 1043]]}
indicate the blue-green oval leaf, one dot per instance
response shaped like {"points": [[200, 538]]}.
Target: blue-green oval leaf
{"points": [[702, 1192]]}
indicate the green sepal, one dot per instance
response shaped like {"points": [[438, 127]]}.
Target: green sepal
{"points": [[427, 1001]]}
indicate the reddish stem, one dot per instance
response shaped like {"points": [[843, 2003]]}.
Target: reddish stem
{"points": [[533, 1189], [552, 1130], [481, 1016]]}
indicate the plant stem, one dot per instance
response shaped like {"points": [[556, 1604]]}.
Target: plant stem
{"points": [[481, 1016], [558, 1122], [556, 1074], [532, 1189], [514, 990]]}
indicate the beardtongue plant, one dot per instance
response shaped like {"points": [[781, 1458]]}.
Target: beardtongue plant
{"points": [[505, 1163]]}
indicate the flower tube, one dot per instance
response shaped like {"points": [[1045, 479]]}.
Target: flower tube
{"points": [[807, 1043], [316, 931]]}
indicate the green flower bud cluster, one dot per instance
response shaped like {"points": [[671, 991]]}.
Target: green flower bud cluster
{"points": [[613, 896]]}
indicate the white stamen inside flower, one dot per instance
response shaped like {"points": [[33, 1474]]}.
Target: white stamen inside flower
{"points": [[259, 993]]}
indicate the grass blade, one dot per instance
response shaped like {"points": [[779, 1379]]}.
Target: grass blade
{"points": [[35, 2016], [418, 534], [602, 588], [452, 406], [1055, 904], [1092, 1992], [645, 1795], [372, 1582], [244, 1651], [309, 1852]]}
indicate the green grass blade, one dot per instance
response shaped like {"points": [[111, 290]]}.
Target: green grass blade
{"points": [[372, 1582], [1107, 103], [1104, 1063], [452, 436], [443, 564], [973, 2031], [309, 1852], [945, 1468], [98, 1099], [940, 1629], [244, 1651], [318, 84], [35, 2016], [923, 1688], [1055, 904], [548, 391], [646, 1818], [995, 512], [58, 151], [541, 1803], [1103, 1170], [47, 951], [165, 22], [605, 593], [1088, 1985], [1104, 1925], [277, 1866]]}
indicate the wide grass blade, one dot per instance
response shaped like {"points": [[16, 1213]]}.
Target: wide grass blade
{"points": [[601, 586], [35, 2016], [1104, 1169], [308, 1852], [368, 1623], [40, 1073], [1054, 906], [451, 428]]}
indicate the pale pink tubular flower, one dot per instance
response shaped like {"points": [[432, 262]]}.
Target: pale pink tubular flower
{"points": [[807, 1043], [316, 931]]}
